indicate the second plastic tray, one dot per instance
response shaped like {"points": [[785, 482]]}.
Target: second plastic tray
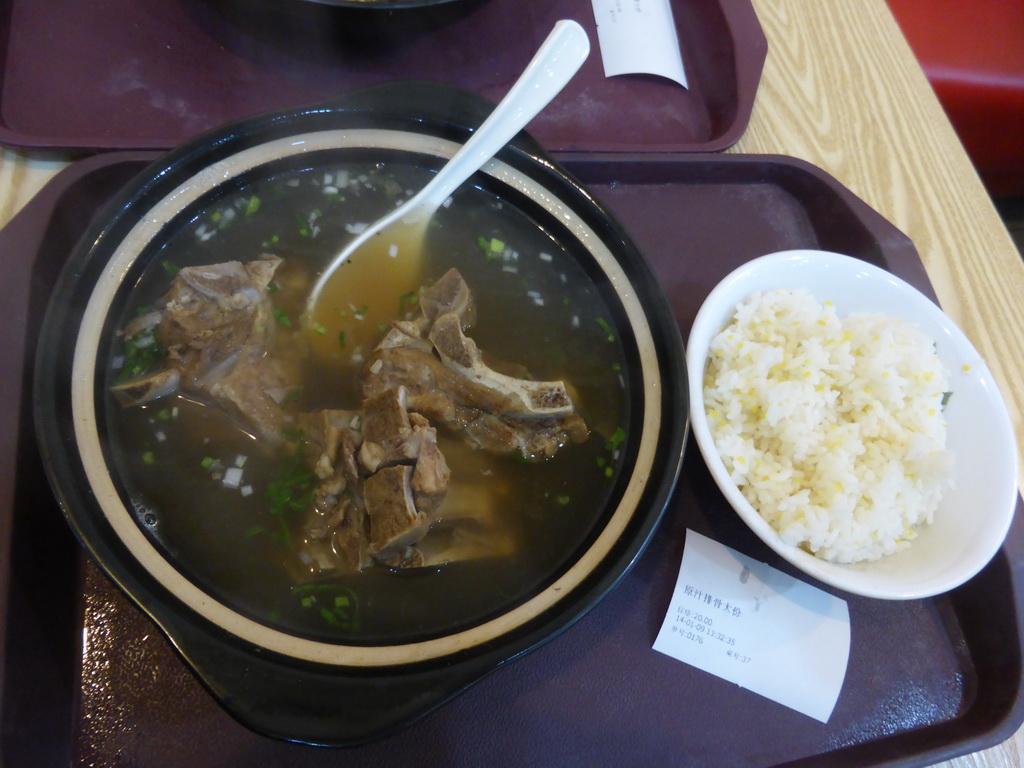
{"points": [[131, 74]]}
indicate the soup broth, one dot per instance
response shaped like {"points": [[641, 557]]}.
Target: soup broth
{"points": [[228, 505]]}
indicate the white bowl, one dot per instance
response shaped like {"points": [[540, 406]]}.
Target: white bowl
{"points": [[973, 517]]}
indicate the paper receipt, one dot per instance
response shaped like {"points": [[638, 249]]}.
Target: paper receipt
{"points": [[757, 627], [638, 37]]}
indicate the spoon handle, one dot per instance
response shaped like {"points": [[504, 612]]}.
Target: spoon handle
{"points": [[552, 67], [554, 64]]}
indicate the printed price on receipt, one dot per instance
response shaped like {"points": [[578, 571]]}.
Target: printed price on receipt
{"points": [[757, 627]]}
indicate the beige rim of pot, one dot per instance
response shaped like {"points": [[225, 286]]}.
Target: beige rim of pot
{"points": [[152, 560]]}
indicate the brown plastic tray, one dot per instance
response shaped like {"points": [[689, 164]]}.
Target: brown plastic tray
{"points": [[87, 679], [140, 74]]}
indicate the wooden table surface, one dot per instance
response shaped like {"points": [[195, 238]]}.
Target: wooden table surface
{"points": [[842, 90]]}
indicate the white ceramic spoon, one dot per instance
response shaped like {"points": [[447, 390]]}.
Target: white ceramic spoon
{"points": [[555, 63]]}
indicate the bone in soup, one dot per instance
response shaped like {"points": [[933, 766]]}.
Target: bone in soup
{"points": [[423, 465]]}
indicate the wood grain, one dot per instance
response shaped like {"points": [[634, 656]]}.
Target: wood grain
{"points": [[841, 89], [22, 175]]}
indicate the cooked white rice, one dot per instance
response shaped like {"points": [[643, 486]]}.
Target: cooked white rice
{"points": [[832, 428]]}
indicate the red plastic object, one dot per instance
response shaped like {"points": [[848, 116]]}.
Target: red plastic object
{"points": [[973, 55]]}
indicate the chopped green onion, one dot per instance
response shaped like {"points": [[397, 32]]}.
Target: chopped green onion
{"points": [[148, 458], [207, 462], [252, 206], [141, 353], [291, 489], [562, 499], [335, 604], [170, 268], [616, 439], [606, 328], [320, 329], [341, 339], [492, 247], [407, 302], [282, 318], [329, 617]]}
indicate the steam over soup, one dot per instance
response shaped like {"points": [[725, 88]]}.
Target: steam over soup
{"points": [[419, 470]]}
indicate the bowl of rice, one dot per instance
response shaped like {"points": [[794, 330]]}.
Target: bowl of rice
{"points": [[851, 425]]}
